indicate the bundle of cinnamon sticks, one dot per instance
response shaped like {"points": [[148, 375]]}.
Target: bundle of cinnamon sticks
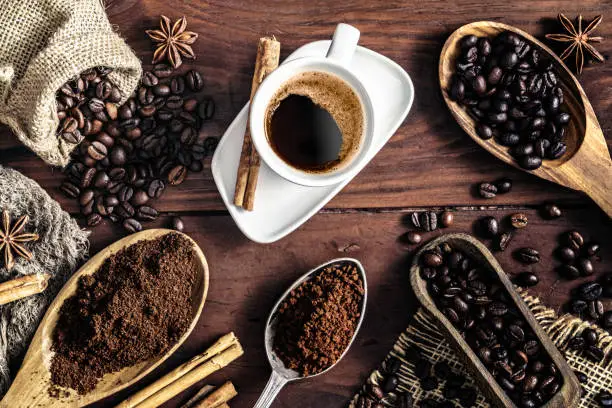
{"points": [[268, 55], [219, 355]]}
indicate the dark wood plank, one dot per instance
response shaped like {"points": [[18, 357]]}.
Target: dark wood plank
{"points": [[430, 161], [246, 279]]}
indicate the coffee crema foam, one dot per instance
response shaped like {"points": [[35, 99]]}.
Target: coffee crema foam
{"points": [[337, 97]]}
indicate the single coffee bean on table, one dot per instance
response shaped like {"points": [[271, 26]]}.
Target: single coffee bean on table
{"points": [[492, 325], [134, 308], [511, 90], [551, 211], [487, 190], [527, 255], [327, 306], [519, 220]]}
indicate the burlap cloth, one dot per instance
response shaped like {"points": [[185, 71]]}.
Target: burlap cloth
{"points": [[62, 246], [423, 335], [44, 44]]}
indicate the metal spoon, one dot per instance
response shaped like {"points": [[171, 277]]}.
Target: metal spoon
{"points": [[281, 375]]}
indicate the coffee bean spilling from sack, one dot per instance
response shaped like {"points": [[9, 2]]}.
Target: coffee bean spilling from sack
{"points": [[513, 93], [479, 307], [128, 155]]}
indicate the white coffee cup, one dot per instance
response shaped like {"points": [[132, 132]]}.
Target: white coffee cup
{"points": [[336, 62]]}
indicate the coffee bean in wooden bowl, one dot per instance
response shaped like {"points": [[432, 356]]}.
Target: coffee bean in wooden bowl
{"points": [[517, 99], [513, 361]]}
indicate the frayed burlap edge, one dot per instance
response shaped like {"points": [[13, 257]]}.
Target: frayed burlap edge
{"points": [[424, 335]]}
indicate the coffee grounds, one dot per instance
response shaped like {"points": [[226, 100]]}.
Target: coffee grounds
{"points": [[318, 319], [133, 308]]}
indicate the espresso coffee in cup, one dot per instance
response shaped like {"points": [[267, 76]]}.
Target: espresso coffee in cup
{"points": [[315, 122]]}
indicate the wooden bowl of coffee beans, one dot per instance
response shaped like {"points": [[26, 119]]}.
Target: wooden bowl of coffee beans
{"points": [[520, 102], [511, 358]]}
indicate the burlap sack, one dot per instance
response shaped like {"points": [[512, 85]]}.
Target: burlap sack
{"points": [[61, 248], [43, 44], [424, 335]]}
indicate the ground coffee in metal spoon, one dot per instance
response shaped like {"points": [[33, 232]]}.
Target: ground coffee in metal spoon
{"points": [[316, 322]]}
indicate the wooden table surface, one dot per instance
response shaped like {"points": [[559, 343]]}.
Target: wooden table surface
{"points": [[429, 163]]}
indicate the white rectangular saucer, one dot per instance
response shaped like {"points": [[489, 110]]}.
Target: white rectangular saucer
{"points": [[282, 206]]}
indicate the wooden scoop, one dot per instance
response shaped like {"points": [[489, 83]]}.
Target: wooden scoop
{"points": [[586, 166], [568, 394], [31, 387]]}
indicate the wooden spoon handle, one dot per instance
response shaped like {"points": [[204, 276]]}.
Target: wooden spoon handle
{"points": [[600, 190]]}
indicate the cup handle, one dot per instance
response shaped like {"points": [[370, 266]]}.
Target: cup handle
{"points": [[343, 43]]}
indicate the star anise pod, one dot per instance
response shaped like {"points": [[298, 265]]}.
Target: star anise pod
{"points": [[11, 239], [579, 40], [173, 41]]}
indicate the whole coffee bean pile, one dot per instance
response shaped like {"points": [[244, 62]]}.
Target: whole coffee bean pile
{"points": [[587, 301], [576, 255], [513, 93], [131, 153], [479, 307], [586, 344]]}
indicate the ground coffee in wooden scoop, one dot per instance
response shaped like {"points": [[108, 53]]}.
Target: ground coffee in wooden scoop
{"points": [[318, 319], [132, 309]]}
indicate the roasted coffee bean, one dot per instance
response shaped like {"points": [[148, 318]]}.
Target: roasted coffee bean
{"points": [[429, 383], [569, 271], [527, 279], [489, 226], [139, 198], [566, 254], [596, 309], [177, 224], [97, 150], [578, 306], [206, 109], [530, 162], [162, 70], [146, 213], [412, 237], [70, 189], [101, 179], [422, 368], [574, 240], [582, 377], [592, 249], [132, 225], [94, 219], [504, 240], [487, 190], [446, 219], [428, 221], [593, 353], [432, 259], [177, 175], [604, 398], [585, 266], [551, 211], [88, 177], [519, 220], [589, 291], [156, 188], [194, 80], [590, 336], [484, 131], [390, 383], [527, 255]]}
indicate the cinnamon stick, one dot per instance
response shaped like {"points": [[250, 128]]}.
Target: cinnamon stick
{"points": [[220, 354], [268, 55], [24, 286], [219, 396]]}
